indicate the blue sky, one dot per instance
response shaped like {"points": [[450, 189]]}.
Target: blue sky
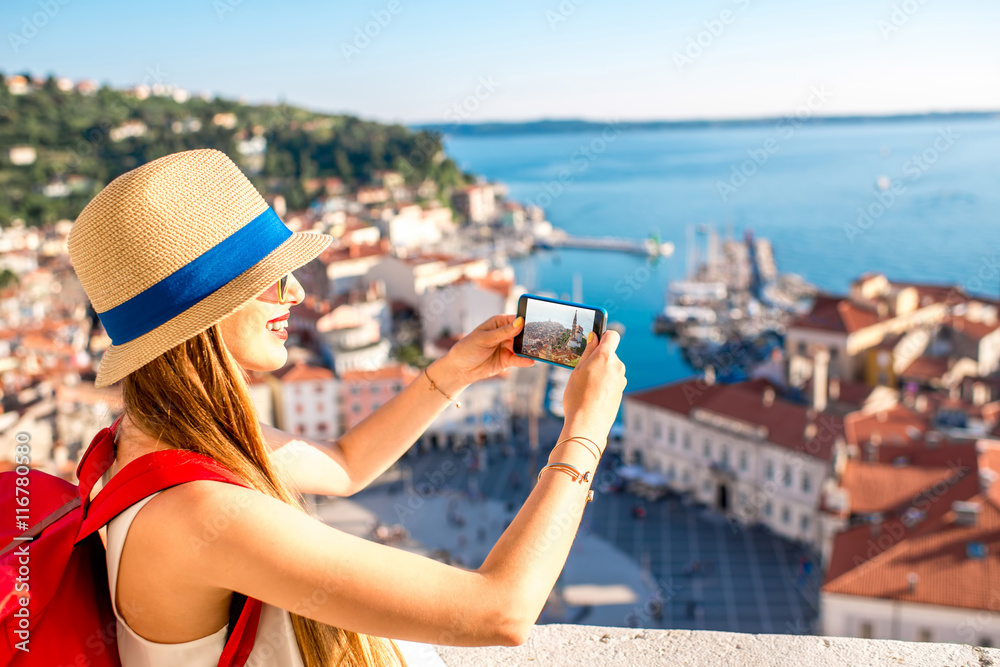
{"points": [[541, 311], [519, 60]]}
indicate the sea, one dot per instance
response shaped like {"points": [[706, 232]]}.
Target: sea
{"points": [[915, 199]]}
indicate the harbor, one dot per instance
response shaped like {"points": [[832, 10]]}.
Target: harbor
{"points": [[729, 313]]}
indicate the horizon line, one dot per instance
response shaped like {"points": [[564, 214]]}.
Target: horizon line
{"points": [[901, 115]]}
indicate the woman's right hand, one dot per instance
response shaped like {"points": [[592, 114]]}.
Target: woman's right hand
{"points": [[594, 390]]}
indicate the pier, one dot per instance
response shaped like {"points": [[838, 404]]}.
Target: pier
{"points": [[644, 247]]}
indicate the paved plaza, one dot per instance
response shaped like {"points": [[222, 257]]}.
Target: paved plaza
{"points": [[680, 566]]}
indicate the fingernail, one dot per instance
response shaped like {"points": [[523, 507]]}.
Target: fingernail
{"points": [[590, 338], [518, 322]]}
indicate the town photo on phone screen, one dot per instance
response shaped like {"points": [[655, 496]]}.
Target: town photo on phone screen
{"points": [[556, 332]]}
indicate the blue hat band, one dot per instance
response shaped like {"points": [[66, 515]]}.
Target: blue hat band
{"points": [[195, 280]]}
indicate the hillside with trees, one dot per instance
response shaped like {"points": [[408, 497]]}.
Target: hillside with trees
{"points": [[60, 143]]}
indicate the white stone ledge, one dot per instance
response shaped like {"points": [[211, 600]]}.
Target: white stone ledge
{"points": [[592, 646]]}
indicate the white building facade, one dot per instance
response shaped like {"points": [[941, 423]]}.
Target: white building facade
{"points": [[729, 461]]}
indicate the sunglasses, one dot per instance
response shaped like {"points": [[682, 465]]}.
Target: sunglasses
{"points": [[278, 289], [283, 287]]}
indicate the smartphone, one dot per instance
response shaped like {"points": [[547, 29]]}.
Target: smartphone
{"points": [[556, 331]]}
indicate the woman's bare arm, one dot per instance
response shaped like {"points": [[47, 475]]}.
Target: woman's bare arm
{"points": [[232, 538], [345, 466], [351, 463], [214, 538]]}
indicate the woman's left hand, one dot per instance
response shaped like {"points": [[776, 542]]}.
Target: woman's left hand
{"points": [[483, 352]]}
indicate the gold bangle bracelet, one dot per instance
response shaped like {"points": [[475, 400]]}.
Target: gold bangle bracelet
{"points": [[565, 467], [573, 472], [579, 439]]}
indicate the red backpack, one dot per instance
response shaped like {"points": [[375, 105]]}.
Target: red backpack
{"points": [[56, 602]]}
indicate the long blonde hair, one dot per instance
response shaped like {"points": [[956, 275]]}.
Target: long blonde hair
{"points": [[196, 397]]}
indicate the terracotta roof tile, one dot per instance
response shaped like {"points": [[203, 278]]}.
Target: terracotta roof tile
{"points": [[390, 372], [881, 487], [926, 368], [785, 422], [972, 329], [877, 564], [897, 425], [936, 553], [303, 372]]}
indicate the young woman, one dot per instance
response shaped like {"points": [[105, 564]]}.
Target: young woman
{"points": [[188, 270]]}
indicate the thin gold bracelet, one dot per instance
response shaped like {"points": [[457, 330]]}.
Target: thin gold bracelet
{"points": [[458, 404], [571, 471], [579, 438]]}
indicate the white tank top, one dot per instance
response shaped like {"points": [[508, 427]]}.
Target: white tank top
{"points": [[275, 645]]}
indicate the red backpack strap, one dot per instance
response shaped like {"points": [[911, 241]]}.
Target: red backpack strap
{"points": [[140, 479], [237, 650], [96, 460], [145, 476]]}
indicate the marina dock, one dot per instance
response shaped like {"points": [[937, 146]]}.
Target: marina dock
{"points": [[649, 247]]}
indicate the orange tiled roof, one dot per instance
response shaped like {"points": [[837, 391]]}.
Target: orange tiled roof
{"points": [[972, 329], [340, 254], [926, 368], [946, 575], [390, 372], [785, 421], [928, 293], [881, 487], [896, 425], [303, 372], [834, 313], [935, 549]]}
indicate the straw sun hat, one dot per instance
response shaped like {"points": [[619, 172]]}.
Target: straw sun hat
{"points": [[170, 248]]}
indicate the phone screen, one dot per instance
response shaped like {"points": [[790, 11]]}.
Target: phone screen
{"points": [[556, 331]]}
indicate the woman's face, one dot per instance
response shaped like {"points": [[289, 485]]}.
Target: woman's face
{"points": [[256, 334]]}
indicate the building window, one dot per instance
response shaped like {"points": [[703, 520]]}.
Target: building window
{"points": [[743, 461], [320, 407], [671, 473], [804, 523], [985, 642], [376, 405], [298, 390], [319, 389], [743, 499], [301, 429], [802, 348], [657, 430], [355, 408], [924, 635], [706, 486], [865, 630], [706, 449], [686, 476], [672, 435], [298, 409], [373, 390], [355, 390], [833, 353], [768, 510], [806, 483], [725, 455], [769, 470], [687, 440], [397, 387], [786, 514], [787, 477], [636, 422], [321, 427]]}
